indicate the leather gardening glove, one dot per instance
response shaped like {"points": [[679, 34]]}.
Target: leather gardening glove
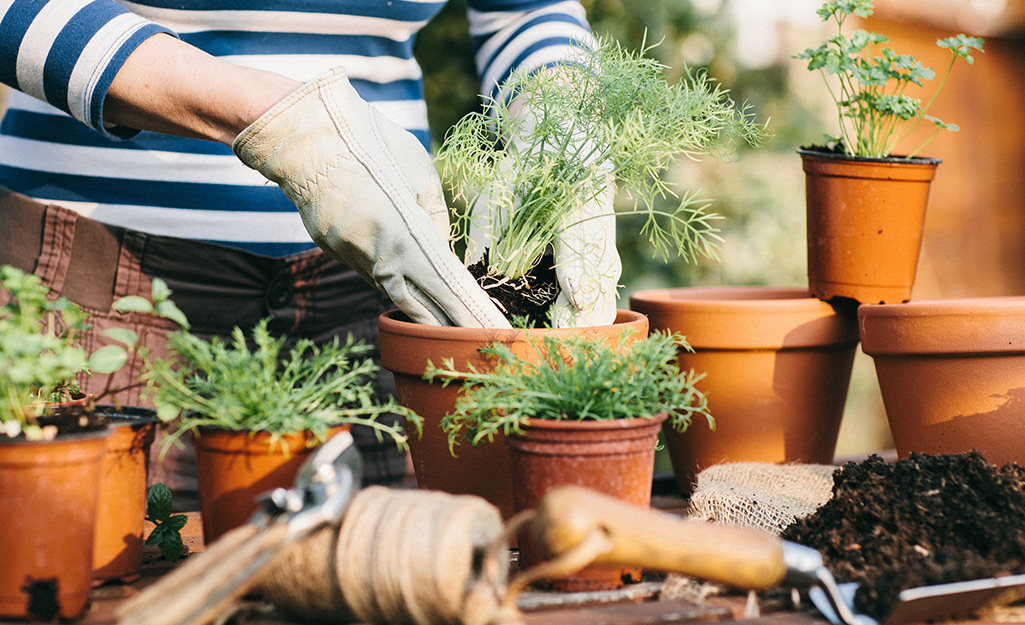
{"points": [[369, 196], [587, 263]]}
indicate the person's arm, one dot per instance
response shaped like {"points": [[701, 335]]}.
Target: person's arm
{"points": [[171, 87]]}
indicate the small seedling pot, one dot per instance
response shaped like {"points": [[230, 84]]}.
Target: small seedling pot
{"points": [[49, 491], [865, 221], [614, 457]]}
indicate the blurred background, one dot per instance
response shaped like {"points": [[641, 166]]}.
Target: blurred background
{"points": [[974, 224]]}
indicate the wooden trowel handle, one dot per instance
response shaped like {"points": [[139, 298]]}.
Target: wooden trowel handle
{"points": [[638, 536]]}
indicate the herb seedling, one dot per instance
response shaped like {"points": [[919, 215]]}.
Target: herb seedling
{"points": [[875, 114], [167, 534], [572, 377], [230, 385], [607, 115], [39, 355]]}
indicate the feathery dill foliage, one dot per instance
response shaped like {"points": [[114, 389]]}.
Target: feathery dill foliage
{"points": [[608, 113], [227, 384], [571, 377]]}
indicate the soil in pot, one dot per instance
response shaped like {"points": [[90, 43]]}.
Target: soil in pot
{"points": [[530, 296], [924, 520]]}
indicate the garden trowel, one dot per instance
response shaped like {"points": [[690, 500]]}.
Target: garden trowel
{"points": [[577, 526]]}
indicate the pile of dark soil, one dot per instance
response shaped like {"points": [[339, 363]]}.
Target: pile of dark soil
{"points": [[529, 297], [929, 519]]}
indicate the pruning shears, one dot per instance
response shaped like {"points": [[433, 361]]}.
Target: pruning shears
{"points": [[199, 591]]}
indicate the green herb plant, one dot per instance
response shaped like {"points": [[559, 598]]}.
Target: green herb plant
{"points": [[607, 115], [869, 89], [571, 377], [166, 534], [245, 383], [39, 354]]}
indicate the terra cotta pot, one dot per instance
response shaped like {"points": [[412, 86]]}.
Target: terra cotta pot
{"points": [[615, 457], [865, 219], [777, 365], [951, 374], [236, 467], [49, 492], [406, 347]]}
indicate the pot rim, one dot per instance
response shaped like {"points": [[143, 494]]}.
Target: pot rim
{"points": [[977, 325], [394, 321], [748, 317], [595, 424], [890, 160]]}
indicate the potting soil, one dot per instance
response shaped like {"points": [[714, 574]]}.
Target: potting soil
{"points": [[928, 519]]}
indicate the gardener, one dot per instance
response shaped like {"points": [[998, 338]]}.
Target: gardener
{"points": [[117, 161]]}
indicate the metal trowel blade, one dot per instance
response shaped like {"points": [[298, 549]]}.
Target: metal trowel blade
{"points": [[926, 603]]}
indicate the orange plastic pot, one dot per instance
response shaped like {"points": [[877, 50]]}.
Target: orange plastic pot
{"points": [[407, 347], [236, 467], [121, 515], [865, 220], [615, 457], [951, 374], [777, 365], [49, 493]]}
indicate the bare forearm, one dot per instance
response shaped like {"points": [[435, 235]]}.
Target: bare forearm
{"points": [[168, 86]]}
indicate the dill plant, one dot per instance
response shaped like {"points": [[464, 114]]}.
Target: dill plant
{"points": [[571, 377], [606, 115], [229, 385], [875, 113]]}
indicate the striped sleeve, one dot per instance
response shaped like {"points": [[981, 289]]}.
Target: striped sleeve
{"points": [[523, 35], [67, 52]]}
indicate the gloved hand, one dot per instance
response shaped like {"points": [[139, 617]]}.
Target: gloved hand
{"points": [[587, 263], [369, 196]]}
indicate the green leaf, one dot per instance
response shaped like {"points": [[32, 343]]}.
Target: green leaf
{"points": [[158, 502], [122, 335], [171, 547], [176, 521], [132, 303], [160, 291], [169, 310], [108, 359]]}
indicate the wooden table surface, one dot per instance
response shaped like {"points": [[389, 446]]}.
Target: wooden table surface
{"points": [[639, 604]]}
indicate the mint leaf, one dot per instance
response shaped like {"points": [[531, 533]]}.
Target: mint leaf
{"points": [[158, 503]]}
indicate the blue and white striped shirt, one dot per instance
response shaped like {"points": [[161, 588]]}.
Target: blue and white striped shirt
{"points": [[61, 56]]}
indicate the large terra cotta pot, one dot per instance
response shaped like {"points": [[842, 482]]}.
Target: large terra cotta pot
{"points": [[49, 493], [777, 365], [951, 374], [865, 221], [121, 512], [407, 347], [615, 457], [236, 467]]}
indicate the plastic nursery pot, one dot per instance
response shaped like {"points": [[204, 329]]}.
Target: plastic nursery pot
{"points": [[406, 348], [865, 220], [951, 374], [121, 513], [777, 365], [615, 457], [236, 467], [49, 493]]}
